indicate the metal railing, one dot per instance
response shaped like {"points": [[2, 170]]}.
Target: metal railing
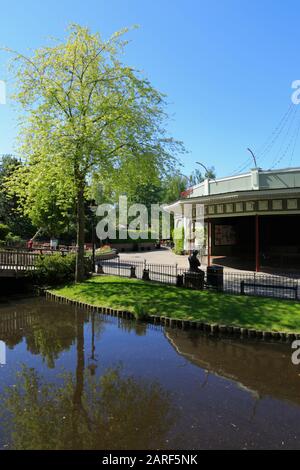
{"points": [[282, 286], [18, 260], [164, 273]]}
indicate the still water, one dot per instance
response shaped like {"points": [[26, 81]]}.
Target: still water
{"points": [[76, 380]]}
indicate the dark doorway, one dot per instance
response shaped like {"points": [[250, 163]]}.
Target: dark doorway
{"points": [[233, 242], [280, 241]]}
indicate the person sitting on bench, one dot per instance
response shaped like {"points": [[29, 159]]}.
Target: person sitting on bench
{"points": [[196, 279], [194, 262]]}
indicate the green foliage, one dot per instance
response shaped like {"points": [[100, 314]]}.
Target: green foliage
{"points": [[175, 183], [57, 269], [173, 186], [7, 238], [88, 114], [178, 238], [4, 231], [197, 177], [140, 312], [19, 225]]}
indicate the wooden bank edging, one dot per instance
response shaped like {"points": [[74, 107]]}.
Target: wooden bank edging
{"points": [[211, 328]]}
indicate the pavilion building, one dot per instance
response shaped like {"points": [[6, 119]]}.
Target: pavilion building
{"points": [[252, 220]]}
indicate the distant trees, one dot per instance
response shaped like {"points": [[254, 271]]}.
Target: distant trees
{"points": [[17, 224], [159, 186], [176, 183], [197, 176]]}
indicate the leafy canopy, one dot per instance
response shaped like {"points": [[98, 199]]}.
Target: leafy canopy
{"points": [[87, 116]]}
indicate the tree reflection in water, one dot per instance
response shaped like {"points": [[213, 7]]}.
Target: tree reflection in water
{"points": [[85, 412]]}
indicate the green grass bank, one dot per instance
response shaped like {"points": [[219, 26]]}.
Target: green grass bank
{"points": [[211, 307]]}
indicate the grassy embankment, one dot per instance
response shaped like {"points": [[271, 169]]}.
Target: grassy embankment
{"points": [[210, 307]]}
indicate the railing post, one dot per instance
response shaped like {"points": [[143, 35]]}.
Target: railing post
{"points": [[257, 245], [243, 287]]}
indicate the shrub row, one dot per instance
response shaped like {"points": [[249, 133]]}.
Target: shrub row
{"points": [[57, 269]]}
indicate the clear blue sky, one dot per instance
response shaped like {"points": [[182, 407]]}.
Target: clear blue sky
{"points": [[226, 66]]}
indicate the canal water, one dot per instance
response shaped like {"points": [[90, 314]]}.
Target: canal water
{"points": [[70, 379]]}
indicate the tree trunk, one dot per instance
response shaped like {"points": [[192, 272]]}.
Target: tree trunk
{"points": [[80, 271]]}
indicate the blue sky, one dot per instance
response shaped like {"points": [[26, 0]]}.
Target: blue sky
{"points": [[225, 65]]}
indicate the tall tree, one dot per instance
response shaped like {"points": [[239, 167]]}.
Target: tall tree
{"points": [[87, 113], [173, 186]]}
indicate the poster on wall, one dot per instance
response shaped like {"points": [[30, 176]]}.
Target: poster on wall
{"points": [[225, 235]]}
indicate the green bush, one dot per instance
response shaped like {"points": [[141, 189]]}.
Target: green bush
{"points": [[57, 269], [12, 239], [7, 237], [178, 238], [140, 313], [4, 231]]}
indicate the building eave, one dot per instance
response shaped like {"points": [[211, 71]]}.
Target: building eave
{"points": [[242, 195]]}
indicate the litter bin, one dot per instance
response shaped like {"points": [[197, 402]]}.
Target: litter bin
{"points": [[215, 277]]}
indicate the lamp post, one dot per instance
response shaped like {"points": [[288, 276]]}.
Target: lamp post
{"points": [[253, 156], [206, 170], [208, 221], [93, 208]]}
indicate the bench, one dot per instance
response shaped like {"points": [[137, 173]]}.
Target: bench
{"points": [[268, 286], [193, 280]]}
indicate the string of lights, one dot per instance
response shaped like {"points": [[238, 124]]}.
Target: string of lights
{"points": [[269, 143]]}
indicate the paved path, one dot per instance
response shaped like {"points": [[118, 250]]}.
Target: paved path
{"points": [[162, 256]]}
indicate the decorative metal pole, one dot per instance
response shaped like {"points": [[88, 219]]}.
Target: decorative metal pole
{"points": [[257, 248], [208, 241]]}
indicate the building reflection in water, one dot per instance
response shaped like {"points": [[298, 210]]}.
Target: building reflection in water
{"points": [[262, 368]]}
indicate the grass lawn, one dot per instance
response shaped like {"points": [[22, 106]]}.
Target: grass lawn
{"points": [[211, 307]]}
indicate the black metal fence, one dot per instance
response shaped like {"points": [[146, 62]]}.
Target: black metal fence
{"points": [[283, 286]]}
